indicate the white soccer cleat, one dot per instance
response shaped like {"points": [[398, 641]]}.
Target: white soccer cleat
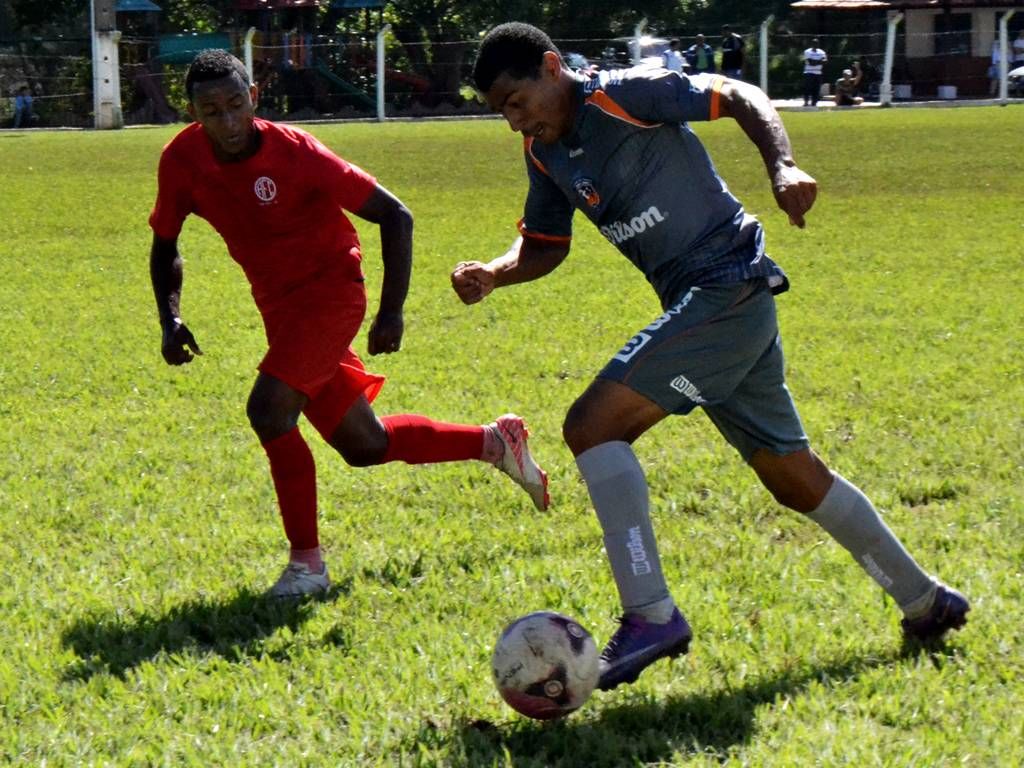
{"points": [[297, 580], [516, 461]]}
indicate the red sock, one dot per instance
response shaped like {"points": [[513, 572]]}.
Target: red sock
{"points": [[311, 558], [294, 473], [418, 440]]}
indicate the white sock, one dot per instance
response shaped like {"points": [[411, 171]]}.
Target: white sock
{"points": [[850, 518], [618, 490]]}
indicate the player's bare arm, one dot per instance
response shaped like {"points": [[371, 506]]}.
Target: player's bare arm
{"points": [[529, 258], [396, 224], [167, 272], [748, 105]]}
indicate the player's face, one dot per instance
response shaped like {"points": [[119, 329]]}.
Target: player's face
{"points": [[226, 108], [541, 107]]}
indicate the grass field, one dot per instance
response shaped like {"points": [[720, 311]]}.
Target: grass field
{"points": [[138, 526]]}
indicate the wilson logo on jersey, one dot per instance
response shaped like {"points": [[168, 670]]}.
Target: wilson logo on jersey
{"points": [[585, 188], [265, 189], [620, 231]]}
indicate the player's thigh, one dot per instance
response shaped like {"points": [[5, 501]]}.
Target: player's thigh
{"points": [[700, 349], [608, 411], [332, 401], [311, 333], [760, 413], [360, 437]]}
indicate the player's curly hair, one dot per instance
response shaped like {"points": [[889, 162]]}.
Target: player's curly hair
{"points": [[213, 64], [516, 49]]}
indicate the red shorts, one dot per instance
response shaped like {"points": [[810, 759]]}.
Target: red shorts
{"points": [[310, 350]]}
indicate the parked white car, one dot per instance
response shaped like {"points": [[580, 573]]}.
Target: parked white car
{"points": [[629, 51], [1015, 82]]}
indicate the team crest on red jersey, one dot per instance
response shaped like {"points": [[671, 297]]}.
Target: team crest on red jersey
{"points": [[265, 189], [585, 188]]}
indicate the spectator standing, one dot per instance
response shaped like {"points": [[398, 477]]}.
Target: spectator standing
{"points": [[732, 54], [23, 114], [700, 56], [993, 70], [1018, 50], [673, 57], [814, 62]]}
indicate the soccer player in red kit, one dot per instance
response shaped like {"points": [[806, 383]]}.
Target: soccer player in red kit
{"points": [[277, 195]]}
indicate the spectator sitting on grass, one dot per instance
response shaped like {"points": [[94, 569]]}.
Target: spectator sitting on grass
{"points": [[846, 87]]}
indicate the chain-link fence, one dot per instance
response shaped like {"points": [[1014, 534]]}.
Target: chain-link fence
{"points": [[305, 76]]}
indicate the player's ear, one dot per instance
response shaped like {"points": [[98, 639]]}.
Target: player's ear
{"points": [[191, 109], [551, 64]]}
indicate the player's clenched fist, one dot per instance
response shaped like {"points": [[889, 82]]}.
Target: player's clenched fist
{"points": [[472, 281], [795, 192]]}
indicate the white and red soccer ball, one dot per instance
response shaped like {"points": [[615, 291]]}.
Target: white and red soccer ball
{"points": [[545, 665]]}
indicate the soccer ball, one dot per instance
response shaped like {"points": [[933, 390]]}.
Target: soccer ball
{"points": [[545, 665]]}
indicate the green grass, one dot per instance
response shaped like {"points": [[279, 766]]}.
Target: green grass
{"points": [[138, 525]]}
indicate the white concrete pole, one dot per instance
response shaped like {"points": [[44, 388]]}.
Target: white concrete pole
{"points": [[885, 91], [106, 78], [764, 52], [247, 48], [380, 71], [1004, 51], [634, 44]]}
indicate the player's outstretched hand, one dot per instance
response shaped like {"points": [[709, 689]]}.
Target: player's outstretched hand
{"points": [[178, 344], [795, 192], [386, 333], [472, 281]]}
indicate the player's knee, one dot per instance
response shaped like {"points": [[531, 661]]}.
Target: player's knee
{"points": [[267, 419], [798, 481], [794, 496], [575, 431], [365, 449], [802, 494]]}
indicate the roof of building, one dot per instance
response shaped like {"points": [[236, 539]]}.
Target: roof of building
{"points": [[899, 5]]}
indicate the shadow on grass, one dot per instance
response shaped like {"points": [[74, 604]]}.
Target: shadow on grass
{"points": [[648, 731], [236, 629]]}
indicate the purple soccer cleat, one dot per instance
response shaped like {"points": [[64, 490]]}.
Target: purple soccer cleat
{"points": [[637, 644], [948, 611]]}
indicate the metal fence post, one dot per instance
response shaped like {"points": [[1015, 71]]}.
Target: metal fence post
{"points": [[380, 71], [247, 48], [1004, 55], [885, 90], [764, 52]]}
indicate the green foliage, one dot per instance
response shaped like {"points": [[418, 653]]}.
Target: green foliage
{"points": [[196, 15], [44, 16], [138, 525]]}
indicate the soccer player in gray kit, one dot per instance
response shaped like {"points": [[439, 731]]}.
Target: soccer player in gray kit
{"points": [[616, 146]]}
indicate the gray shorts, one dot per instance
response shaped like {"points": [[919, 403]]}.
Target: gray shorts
{"points": [[717, 348]]}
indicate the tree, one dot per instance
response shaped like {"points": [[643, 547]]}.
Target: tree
{"points": [[438, 36], [40, 17]]}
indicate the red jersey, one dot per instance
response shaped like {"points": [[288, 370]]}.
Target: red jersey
{"points": [[280, 211]]}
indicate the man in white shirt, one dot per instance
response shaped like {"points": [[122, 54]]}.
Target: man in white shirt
{"points": [[814, 60], [674, 61]]}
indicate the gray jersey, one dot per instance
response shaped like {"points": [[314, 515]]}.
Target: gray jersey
{"points": [[635, 169]]}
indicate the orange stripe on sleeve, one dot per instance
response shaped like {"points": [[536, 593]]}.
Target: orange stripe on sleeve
{"points": [[537, 236], [606, 104], [528, 146], [716, 98]]}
